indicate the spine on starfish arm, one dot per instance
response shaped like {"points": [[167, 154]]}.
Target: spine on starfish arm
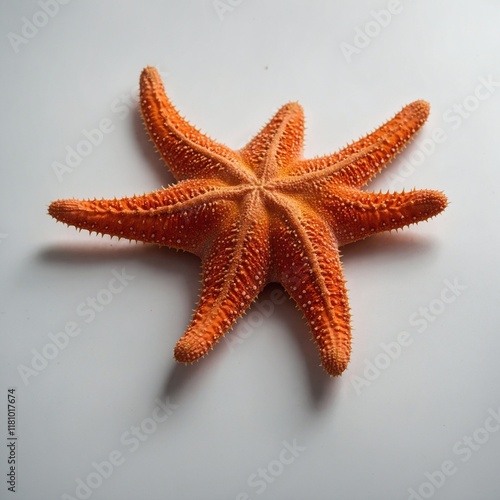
{"points": [[387, 141], [188, 152], [360, 161], [312, 275], [166, 217], [117, 217], [362, 214], [235, 270]]}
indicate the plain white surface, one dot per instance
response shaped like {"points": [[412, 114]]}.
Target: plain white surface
{"points": [[374, 433]]}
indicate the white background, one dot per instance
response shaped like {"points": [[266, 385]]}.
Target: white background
{"points": [[386, 425]]}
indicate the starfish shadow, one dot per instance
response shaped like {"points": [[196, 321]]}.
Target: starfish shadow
{"points": [[76, 254], [388, 246], [79, 254], [181, 376], [322, 387]]}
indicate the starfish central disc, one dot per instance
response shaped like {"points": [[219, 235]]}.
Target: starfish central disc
{"points": [[262, 214]]}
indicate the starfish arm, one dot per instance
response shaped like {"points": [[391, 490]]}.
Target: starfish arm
{"points": [[357, 163], [187, 152], [279, 142], [182, 217], [354, 215], [235, 270], [311, 273]]}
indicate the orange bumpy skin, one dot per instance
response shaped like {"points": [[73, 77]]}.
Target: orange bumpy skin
{"points": [[262, 214]]}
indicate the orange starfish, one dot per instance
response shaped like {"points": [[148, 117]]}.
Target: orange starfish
{"points": [[262, 214]]}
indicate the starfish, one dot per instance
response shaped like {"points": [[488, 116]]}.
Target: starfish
{"points": [[261, 214]]}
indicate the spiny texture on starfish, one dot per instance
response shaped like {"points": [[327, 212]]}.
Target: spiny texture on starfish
{"points": [[262, 214]]}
